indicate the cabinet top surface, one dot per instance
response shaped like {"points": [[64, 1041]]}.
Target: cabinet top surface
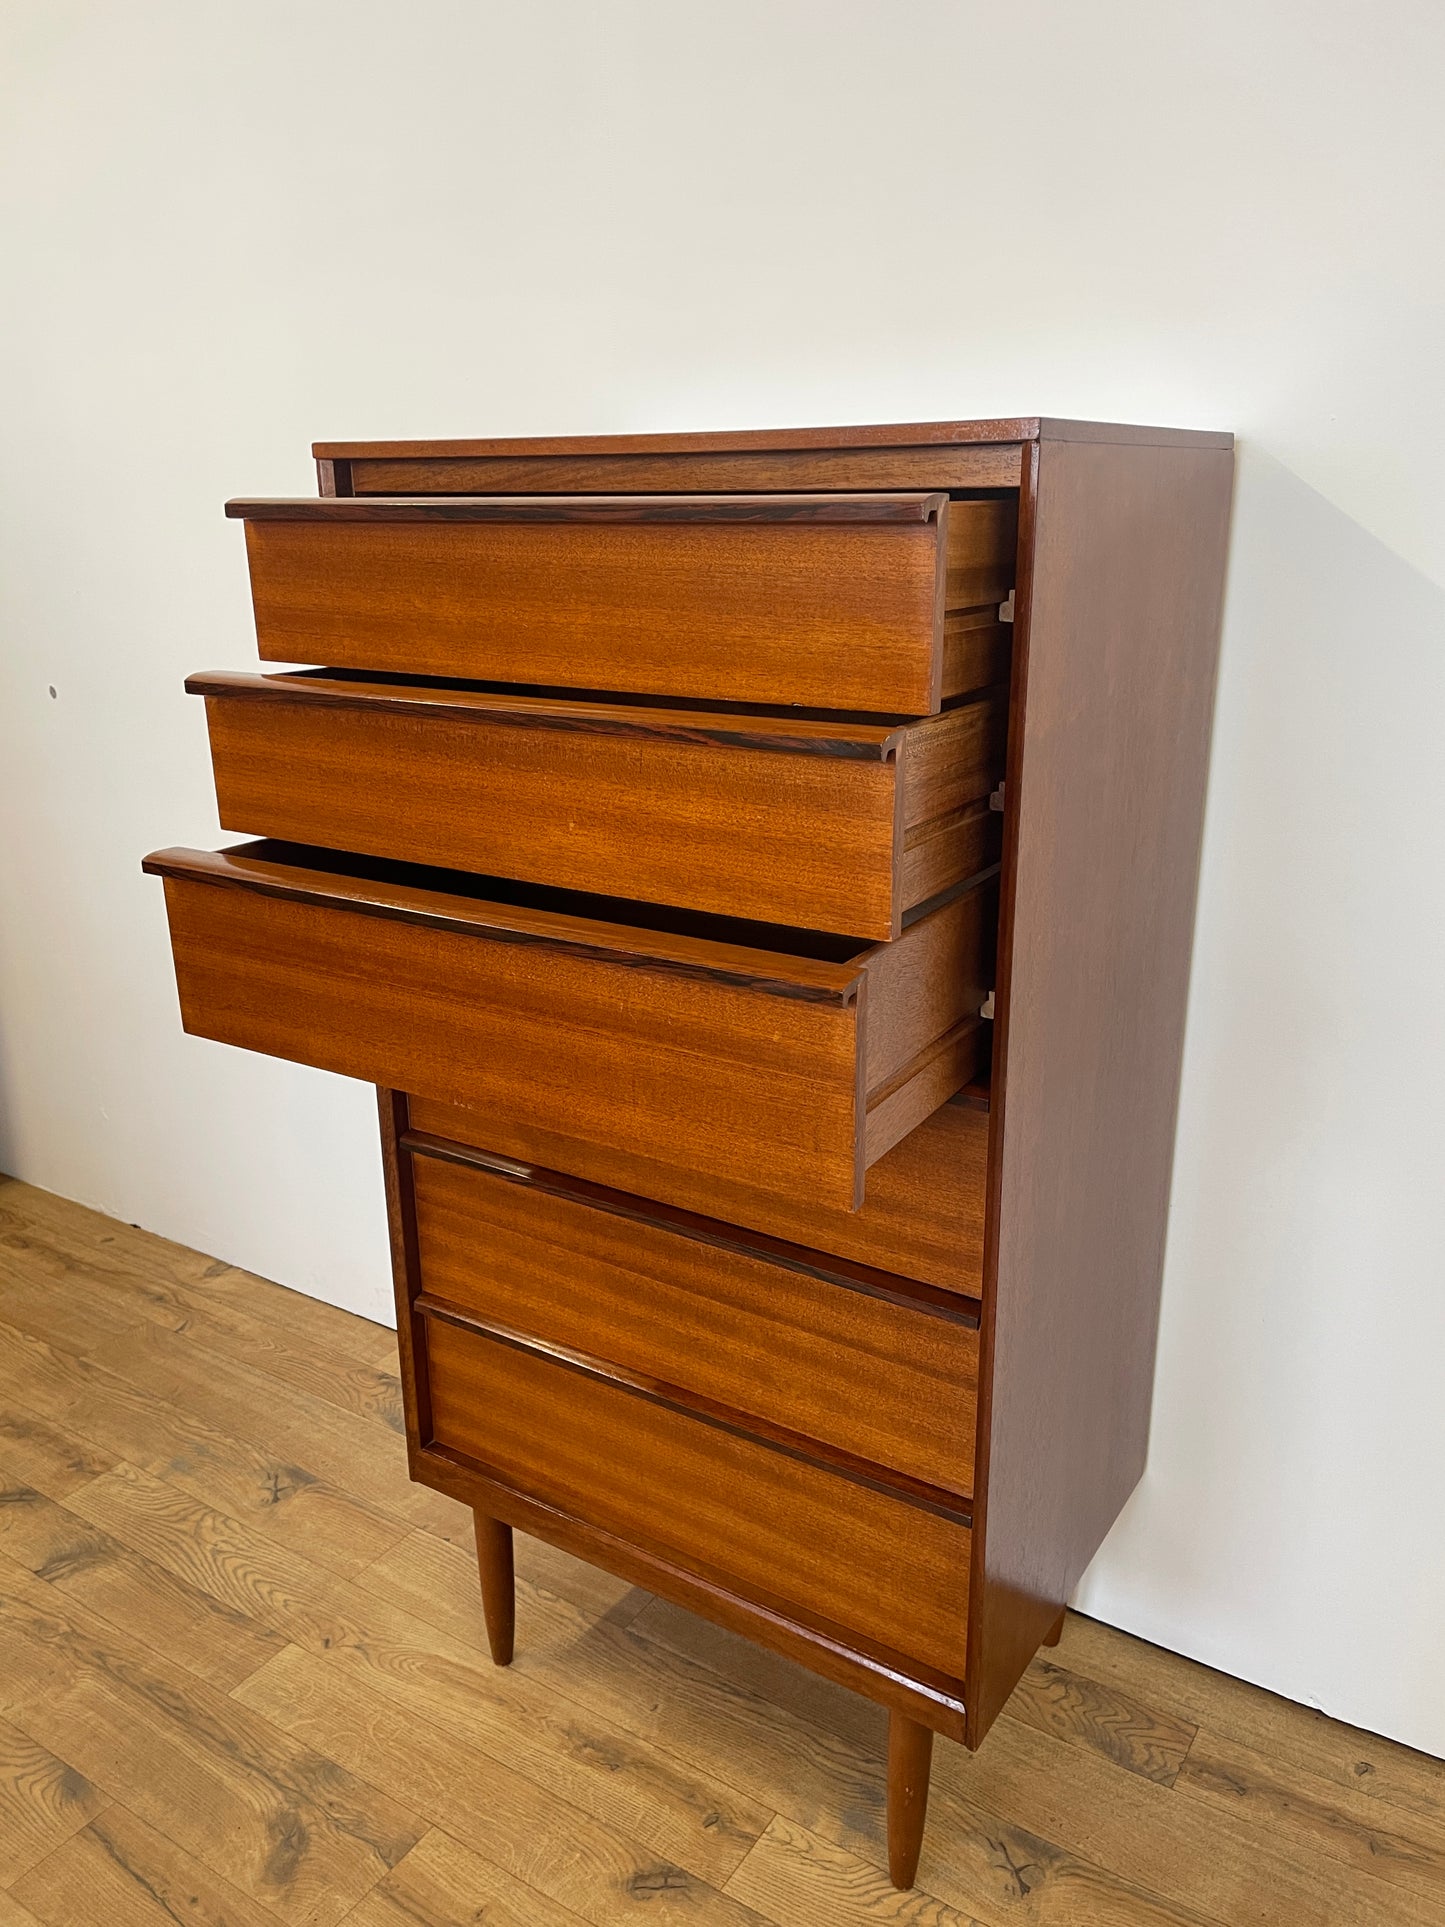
{"points": [[1024, 428]]}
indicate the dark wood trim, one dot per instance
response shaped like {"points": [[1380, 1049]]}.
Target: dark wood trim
{"points": [[809, 980], [405, 1269], [908, 506], [832, 1651], [1019, 428], [908, 1293], [794, 736], [707, 1411]]}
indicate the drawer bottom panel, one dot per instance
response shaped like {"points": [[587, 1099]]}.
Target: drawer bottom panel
{"points": [[705, 1497]]}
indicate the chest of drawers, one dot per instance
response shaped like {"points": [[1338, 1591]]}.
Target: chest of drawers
{"points": [[758, 873]]}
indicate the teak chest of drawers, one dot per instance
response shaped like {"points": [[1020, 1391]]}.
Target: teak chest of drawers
{"points": [[758, 873]]}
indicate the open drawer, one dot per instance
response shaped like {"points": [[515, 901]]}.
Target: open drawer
{"points": [[881, 603], [825, 824], [771, 1057]]}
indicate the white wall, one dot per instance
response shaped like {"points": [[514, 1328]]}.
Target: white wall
{"points": [[227, 230]]}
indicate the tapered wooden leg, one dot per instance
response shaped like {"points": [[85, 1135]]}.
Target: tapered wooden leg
{"points": [[910, 1751], [1055, 1632], [499, 1590]]}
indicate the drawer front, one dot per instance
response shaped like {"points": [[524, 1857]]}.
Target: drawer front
{"points": [[726, 1506], [995, 465], [923, 1216], [831, 602], [758, 1066], [889, 1382], [824, 825]]}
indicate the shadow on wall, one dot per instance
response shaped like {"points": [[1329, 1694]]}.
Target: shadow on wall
{"points": [[1293, 1502]]}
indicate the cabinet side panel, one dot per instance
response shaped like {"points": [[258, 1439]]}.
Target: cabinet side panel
{"points": [[1108, 782]]}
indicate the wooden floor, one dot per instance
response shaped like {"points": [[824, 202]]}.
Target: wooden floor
{"points": [[243, 1680]]}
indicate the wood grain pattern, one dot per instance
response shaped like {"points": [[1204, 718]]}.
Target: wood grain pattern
{"points": [[977, 649], [883, 1381], [69, 1250], [120, 1871], [849, 1659], [1075, 1811], [87, 1565], [1116, 643], [576, 1861], [828, 825], [1323, 1751], [687, 1402], [1016, 428], [611, 511], [447, 1683], [654, 1042], [922, 1217], [910, 1752], [828, 1267], [1037, 1825], [895, 1573], [1114, 1723], [980, 466], [833, 602], [319, 1437], [51, 1388], [136, 1282], [265, 1814], [497, 1575], [42, 1802], [441, 1883]]}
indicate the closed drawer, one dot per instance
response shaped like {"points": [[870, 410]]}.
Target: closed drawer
{"points": [[776, 1527], [824, 825], [792, 1067], [923, 1216], [827, 601], [875, 1368]]}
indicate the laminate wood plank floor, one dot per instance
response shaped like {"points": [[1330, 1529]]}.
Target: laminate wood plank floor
{"points": [[244, 1680]]}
